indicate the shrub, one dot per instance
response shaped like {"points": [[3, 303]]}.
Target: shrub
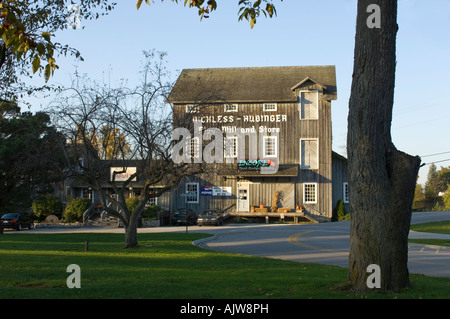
{"points": [[75, 209], [446, 198], [339, 211], [46, 205], [151, 212], [438, 207], [131, 203]]}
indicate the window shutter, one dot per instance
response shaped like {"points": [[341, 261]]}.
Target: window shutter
{"points": [[309, 105], [303, 114], [314, 105], [314, 156], [309, 158], [303, 159]]}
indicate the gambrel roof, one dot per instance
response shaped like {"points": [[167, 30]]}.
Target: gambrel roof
{"points": [[252, 84]]}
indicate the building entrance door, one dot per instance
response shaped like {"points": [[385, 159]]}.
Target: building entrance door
{"points": [[242, 198]]}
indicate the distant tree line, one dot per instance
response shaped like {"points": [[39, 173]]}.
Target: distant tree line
{"points": [[435, 194], [30, 157]]}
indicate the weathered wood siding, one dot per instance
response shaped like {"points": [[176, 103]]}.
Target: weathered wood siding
{"points": [[224, 203], [340, 176], [291, 130]]}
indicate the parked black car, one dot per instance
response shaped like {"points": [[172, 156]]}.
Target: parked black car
{"points": [[210, 217], [16, 221], [183, 216]]}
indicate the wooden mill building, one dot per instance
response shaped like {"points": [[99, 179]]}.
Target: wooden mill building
{"points": [[277, 138]]}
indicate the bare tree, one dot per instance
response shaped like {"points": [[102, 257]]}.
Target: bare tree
{"points": [[138, 125]]}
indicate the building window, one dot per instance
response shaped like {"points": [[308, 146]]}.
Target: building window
{"points": [[191, 108], [270, 146], [345, 192], [87, 193], [68, 192], [310, 193], [309, 105], [80, 165], [195, 147], [231, 108], [191, 193], [152, 200], [270, 106], [230, 143], [309, 153]]}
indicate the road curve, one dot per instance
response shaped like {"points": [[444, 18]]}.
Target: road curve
{"points": [[326, 243]]}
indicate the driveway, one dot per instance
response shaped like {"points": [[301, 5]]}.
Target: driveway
{"points": [[326, 243]]}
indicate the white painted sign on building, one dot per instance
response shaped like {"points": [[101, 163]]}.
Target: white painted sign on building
{"points": [[124, 175]]}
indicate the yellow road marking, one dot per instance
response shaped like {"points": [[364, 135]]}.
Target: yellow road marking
{"points": [[294, 241]]}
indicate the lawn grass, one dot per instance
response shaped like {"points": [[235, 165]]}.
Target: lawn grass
{"points": [[167, 265], [441, 227], [435, 242]]}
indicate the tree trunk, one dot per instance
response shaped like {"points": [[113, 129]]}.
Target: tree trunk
{"points": [[381, 178], [131, 233]]}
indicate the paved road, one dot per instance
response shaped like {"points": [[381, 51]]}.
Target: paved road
{"points": [[326, 243]]}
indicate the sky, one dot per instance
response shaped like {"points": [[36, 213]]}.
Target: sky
{"points": [[302, 33]]}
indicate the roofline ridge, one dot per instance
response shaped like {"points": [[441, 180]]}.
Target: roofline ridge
{"points": [[264, 67]]}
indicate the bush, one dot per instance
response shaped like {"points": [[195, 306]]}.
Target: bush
{"points": [[75, 209], [446, 198], [438, 207], [340, 213], [46, 205], [151, 212], [131, 203]]}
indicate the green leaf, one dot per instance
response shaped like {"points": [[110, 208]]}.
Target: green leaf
{"points": [[23, 47], [270, 8], [40, 47], [243, 14], [47, 72], [138, 4], [46, 36], [36, 64], [18, 55]]}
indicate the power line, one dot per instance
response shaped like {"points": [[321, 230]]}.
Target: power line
{"points": [[420, 123], [448, 159], [436, 154]]}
